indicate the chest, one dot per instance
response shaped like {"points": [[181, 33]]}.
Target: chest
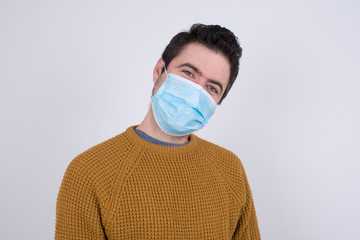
{"points": [[189, 201]]}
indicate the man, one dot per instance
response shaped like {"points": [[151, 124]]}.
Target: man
{"points": [[157, 180]]}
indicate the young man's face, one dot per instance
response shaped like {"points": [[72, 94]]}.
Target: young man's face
{"points": [[197, 63]]}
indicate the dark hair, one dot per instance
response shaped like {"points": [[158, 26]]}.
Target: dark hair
{"points": [[214, 37]]}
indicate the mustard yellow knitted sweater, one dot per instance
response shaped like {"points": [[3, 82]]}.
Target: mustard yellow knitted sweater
{"points": [[128, 188]]}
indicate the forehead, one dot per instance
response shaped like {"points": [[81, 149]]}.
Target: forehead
{"points": [[212, 64]]}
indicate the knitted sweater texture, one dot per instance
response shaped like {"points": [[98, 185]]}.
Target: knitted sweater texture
{"points": [[128, 188]]}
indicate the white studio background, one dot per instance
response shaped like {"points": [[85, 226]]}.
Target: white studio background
{"points": [[75, 73]]}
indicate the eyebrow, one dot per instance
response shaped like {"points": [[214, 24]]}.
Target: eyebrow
{"points": [[200, 73]]}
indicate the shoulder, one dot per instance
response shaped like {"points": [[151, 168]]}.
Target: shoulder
{"points": [[101, 161], [224, 158], [227, 163]]}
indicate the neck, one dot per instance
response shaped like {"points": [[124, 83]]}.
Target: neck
{"points": [[150, 127]]}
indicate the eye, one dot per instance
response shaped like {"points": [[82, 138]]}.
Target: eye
{"points": [[213, 89], [188, 73]]}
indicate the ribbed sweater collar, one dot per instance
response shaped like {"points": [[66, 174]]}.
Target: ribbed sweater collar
{"points": [[194, 143]]}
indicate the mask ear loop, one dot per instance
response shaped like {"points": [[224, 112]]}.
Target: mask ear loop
{"points": [[165, 69]]}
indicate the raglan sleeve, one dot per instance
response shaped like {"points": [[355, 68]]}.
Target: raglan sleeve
{"points": [[78, 214], [247, 226]]}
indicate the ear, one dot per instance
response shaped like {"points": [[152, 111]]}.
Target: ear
{"points": [[158, 68]]}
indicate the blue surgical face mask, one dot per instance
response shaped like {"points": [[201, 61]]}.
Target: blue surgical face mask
{"points": [[181, 106]]}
